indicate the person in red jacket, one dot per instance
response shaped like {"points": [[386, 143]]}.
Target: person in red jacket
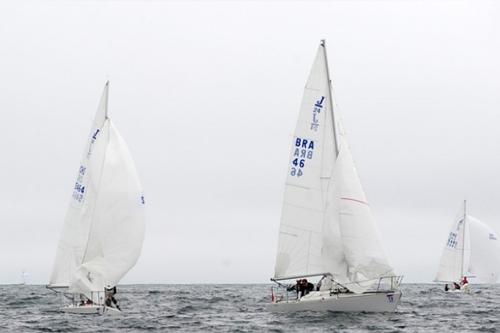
{"points": [[464, 281]]}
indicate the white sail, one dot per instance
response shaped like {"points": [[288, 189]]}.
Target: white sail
{"points": [[333, 257], [104, 227], [326, 224], [310, 165], [364, 253], [484, 262], [455, 257], [75, 233]]}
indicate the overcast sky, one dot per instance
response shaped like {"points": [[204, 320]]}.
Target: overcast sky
{"points": [[207, 94]]}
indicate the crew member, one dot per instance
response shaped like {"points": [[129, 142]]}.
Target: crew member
{"points": [[464, 281]]}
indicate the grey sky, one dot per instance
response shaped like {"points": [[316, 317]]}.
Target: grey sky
{"points": [[206, 94]]}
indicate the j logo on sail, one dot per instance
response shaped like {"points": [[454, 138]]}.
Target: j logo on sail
{"points": [[316, 110]]}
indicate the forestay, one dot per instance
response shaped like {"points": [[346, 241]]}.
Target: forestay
{"points": [[104, 226]]}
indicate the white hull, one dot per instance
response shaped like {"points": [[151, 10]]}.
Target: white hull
{"points": [[91, 309], [322, 301]]}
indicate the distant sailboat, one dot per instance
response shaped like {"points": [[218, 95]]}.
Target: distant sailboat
{"points": [[327, 230], [24, 277], [472, 250], [104, 225]]}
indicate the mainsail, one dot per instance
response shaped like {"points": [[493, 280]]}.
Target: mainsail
{"points": [[104, 225], [472, 249], [326, 223], [456, 253]]}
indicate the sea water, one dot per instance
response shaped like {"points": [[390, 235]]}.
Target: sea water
{"points": [[241, 308]]}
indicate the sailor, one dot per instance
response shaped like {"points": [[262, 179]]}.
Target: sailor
{"points": [[302, 287], [446, 287], [83, 300], [464, 281], [309, 287], [110, 298], [456, 286]]}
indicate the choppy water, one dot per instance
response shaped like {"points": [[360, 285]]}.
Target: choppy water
{"points": [[240, 308]]}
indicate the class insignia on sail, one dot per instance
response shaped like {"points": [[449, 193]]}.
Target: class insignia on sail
{"points": [[330, 256], [103, 230]]}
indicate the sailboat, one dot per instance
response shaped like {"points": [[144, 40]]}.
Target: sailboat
{"points": [[327, 232], [24, 277], [104, 226], [472, 250]]}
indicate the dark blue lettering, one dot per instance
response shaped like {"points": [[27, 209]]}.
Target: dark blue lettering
{"points": [[319, 103]]}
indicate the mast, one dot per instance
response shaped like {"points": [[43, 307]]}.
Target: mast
{"points": [[463, 241], [323, 44]]}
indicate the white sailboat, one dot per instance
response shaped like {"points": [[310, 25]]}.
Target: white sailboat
{"points": [[327, 230], [472, 250], [104, 226], [24, 277]]}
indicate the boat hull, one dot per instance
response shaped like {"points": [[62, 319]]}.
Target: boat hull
{"points": [[90, 309], [367, 302]]}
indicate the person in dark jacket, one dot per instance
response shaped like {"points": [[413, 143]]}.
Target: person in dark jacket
{"points": [[110, 298], [310, 287]]}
